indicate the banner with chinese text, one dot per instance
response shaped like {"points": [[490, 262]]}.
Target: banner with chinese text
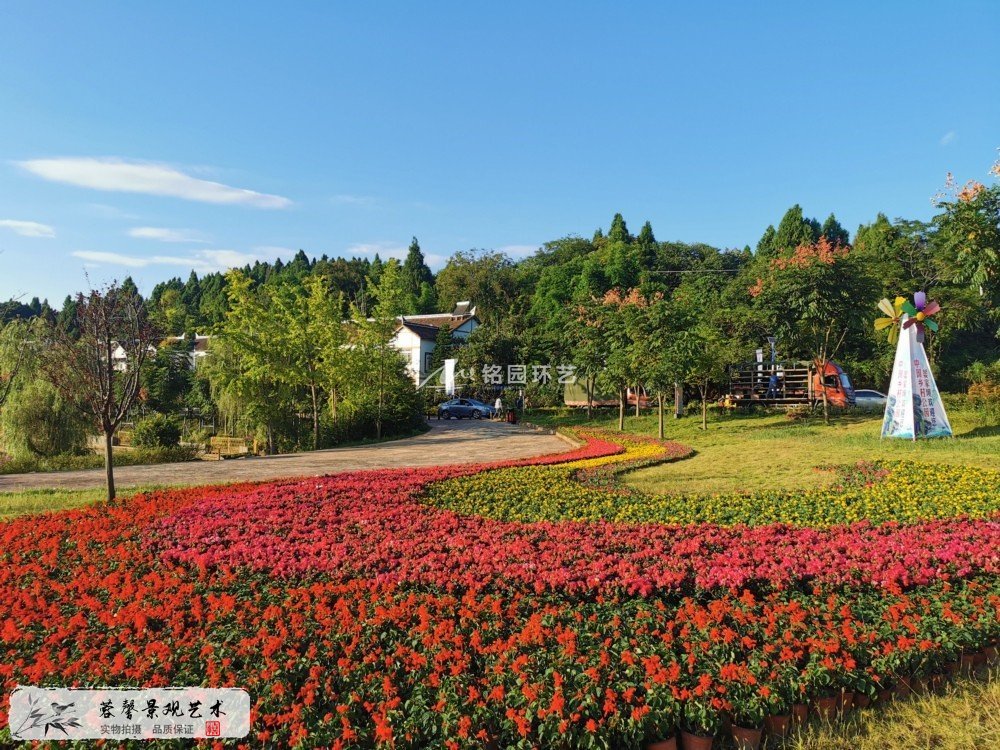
{"points": [[913, 407]]}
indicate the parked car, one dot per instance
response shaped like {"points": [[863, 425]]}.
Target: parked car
{"points": [[868, 399], [465, 408]]}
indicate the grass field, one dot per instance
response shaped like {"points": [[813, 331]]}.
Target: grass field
{"points": [[774, 452], [14, 504], [965, 717]]}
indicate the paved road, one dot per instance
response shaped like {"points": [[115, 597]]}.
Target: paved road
{"points": [[447, 442]]}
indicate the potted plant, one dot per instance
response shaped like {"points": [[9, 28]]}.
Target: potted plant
{"points": [[821, 687], [750, 704], [660, 723], [701, 720]]}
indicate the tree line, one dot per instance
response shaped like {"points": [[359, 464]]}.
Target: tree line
{"points": [[300, 354]]}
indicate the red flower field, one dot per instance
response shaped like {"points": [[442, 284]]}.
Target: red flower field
{"points": [[356, 616]]}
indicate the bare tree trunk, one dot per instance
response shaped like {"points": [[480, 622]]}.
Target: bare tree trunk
{"points": [[704, 407], [315, 408], [621, 409], [826, 406], [109, 466], [637, 400], [659, 413], [590, 397], [678, 401]]}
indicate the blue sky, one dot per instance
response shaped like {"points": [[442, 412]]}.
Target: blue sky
{"points": [[153, 138]]}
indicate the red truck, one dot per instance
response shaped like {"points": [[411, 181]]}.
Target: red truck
{"points": [[788, 383]]}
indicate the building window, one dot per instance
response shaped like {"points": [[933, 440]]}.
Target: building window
{"points": [[427, 361]]}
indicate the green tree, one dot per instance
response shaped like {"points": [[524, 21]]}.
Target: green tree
{"points": [[39, 421], [617, 316], [765, 246], [700, 356], [14, 350], [653, 353], [243, 369], [427, 301], [795, 230], [167, 377], [415, 271], [647, 247], [488, 279], [378, 373], [618, 231], [835, 233], [310, 342], [444, 347], [814, 298], [84, 369], [969, 229]]}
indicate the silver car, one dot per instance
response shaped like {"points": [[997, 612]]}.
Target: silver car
{"points": [[869, 400], [465, 408]]}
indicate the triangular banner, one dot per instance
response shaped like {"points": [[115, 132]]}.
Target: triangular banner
{"points": [[449, 376], [913, 408]]}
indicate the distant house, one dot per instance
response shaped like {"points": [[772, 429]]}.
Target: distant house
{"points": [[416, 336], [197, 352], [120, 357]]}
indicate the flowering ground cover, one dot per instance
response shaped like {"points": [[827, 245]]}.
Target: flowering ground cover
{"points": [[897, 491], [358, 612]]}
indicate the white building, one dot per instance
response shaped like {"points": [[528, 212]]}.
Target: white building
{"points": [[417, 335], [197, 353]]}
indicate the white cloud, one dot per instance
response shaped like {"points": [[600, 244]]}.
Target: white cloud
{"points": [[948, 137], [519, 251], [384, 250], [28, 228], [435, 261], [104, 211], [166, 235], [354, 200], [130, 261], [122, 176], [202, 261], [222, 260]]}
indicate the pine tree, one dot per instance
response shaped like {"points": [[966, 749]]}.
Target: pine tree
{"points": [[795, 230], [444, 347], [415, 270], [618, 231], [427, 301], [646, 242], [834, 232], [765, 247], [128, 287]]}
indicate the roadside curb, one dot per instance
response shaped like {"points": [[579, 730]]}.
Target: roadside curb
{"points": [[562, 435]]}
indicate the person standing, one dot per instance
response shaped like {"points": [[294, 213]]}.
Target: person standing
{"points": [[498, 406]]}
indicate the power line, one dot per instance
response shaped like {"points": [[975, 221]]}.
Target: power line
{"points": [[704, 270]]}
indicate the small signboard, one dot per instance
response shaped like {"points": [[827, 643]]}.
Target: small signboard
{"points": [[117, 714]]}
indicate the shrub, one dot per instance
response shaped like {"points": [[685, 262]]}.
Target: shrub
{"points": [[36, 421], [200, 436], [71, 462], [156, 431]]}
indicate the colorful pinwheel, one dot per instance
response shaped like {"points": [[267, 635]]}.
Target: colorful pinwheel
{"points": [[920, 313], [894, 312]]}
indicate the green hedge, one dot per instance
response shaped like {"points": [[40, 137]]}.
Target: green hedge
{"points": [[68, 462]]}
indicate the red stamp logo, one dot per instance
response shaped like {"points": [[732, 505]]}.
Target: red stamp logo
{"points": [[213, 729]]}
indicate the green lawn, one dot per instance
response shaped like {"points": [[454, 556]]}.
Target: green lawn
{"points": [[740, 452], [14, 504]]}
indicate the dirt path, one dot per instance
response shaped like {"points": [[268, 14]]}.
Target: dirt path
{"points": [[447, 442]]}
